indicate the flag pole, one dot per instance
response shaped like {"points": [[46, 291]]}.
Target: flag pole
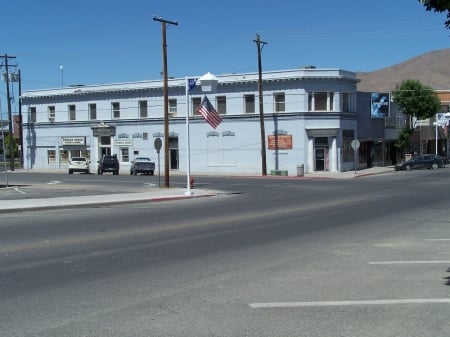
{"points": [[188, 146]]}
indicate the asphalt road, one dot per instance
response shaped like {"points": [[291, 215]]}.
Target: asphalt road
{"points": [[360, 257]]}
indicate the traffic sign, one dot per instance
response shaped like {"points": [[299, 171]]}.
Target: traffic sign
{"points": [[355, 144]]}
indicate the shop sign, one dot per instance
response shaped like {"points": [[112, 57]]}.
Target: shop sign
{"points": [[104, 131], [280, 142], [123, 142], [73, 140]]}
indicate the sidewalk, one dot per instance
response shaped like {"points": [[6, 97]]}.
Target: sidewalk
{"points": [[157, 194], [351, 174]]}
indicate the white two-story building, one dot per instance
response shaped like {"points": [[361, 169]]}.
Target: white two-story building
{"points": [[309, 119]]}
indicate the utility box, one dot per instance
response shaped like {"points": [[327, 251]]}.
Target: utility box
{"points": [[300, 170]]}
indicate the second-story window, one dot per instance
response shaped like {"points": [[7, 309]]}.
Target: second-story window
{"points": [[279, 101], [115, 110], [33, 114], [249, 104], [221, 104], [143, 109], [172, 107], [72, 112], [92, 111], [196, 102], [320, 101], [51, 113], [346, 102]]}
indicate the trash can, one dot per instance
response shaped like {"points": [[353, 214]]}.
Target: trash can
{"points": [[300, 170]]}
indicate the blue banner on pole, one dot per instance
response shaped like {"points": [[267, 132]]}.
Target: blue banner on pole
{"points": [[192, 82]]}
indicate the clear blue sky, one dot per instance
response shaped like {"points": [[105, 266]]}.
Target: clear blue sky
{"points": [[107, 41]]}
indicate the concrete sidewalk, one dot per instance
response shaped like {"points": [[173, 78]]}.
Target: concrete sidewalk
{"points": [[157, 195]]}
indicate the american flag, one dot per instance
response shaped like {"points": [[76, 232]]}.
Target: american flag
{"points": [[209, 113]]}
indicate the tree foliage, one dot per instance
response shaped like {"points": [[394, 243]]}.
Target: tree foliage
{"points": [[403, 139], [439, 6], [416, 99], [7, 143]]}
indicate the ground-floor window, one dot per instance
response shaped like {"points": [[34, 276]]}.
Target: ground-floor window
{"points": [[63, 157], [125, 154], [51, 157]]}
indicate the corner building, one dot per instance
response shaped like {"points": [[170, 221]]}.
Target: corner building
{"points": [[310, 119]]}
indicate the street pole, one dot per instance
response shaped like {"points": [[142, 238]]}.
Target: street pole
{"points": [[10, 130], [260, 45], [188, 149], [166, 97], [20, 120]]}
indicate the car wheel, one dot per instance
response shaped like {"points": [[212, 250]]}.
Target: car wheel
{"points": [[408, 167], [70, 172], [135, 173], [152, 173], [435, 166], [131, 172]]}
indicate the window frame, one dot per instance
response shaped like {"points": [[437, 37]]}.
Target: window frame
{"points": [[279, 105], [33, 114], [172, 107], [115, 110], [72, 110], [51, 111], [249, 104], [143, 109], [221, 104], [92, 110]]}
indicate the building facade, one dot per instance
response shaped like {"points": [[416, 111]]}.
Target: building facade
{"points": [[310, 119]]}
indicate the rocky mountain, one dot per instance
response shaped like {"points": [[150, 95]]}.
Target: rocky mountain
{"points": [[432, 69]]}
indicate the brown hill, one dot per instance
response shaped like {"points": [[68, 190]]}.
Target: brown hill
{"points": [[432, 69]]}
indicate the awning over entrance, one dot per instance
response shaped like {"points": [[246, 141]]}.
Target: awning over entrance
{"points": [[322, 132]]}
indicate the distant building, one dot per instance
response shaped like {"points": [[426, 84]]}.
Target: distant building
{"points": [[310, 118]]}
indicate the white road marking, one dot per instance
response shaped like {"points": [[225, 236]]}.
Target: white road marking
{"points": [[19, 190], [437, 239], [347, 303], [408, 262]]}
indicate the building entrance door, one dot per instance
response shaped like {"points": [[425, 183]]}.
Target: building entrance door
{"points": [[320, 160], [173, 153]]}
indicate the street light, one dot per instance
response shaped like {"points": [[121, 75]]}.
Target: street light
{"points": [[208, 83]]}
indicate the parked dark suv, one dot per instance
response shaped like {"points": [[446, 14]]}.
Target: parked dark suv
{"points": [[108, 164]]}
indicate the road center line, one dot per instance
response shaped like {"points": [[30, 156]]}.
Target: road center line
{"points": [[408, 262], [347, 303]]}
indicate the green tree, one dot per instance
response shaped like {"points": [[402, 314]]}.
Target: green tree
{"points": [[416, 100], [8, 139], [438, 6]]}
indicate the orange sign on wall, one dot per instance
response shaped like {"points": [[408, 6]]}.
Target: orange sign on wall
{"points": [[280, 142]]}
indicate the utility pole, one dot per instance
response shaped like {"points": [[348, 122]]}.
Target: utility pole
{"points": [[166, 97], [260, 45], [8, 98], [20, 120]]}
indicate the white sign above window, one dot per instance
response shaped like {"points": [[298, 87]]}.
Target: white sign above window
{"points": [[73, 140]]}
